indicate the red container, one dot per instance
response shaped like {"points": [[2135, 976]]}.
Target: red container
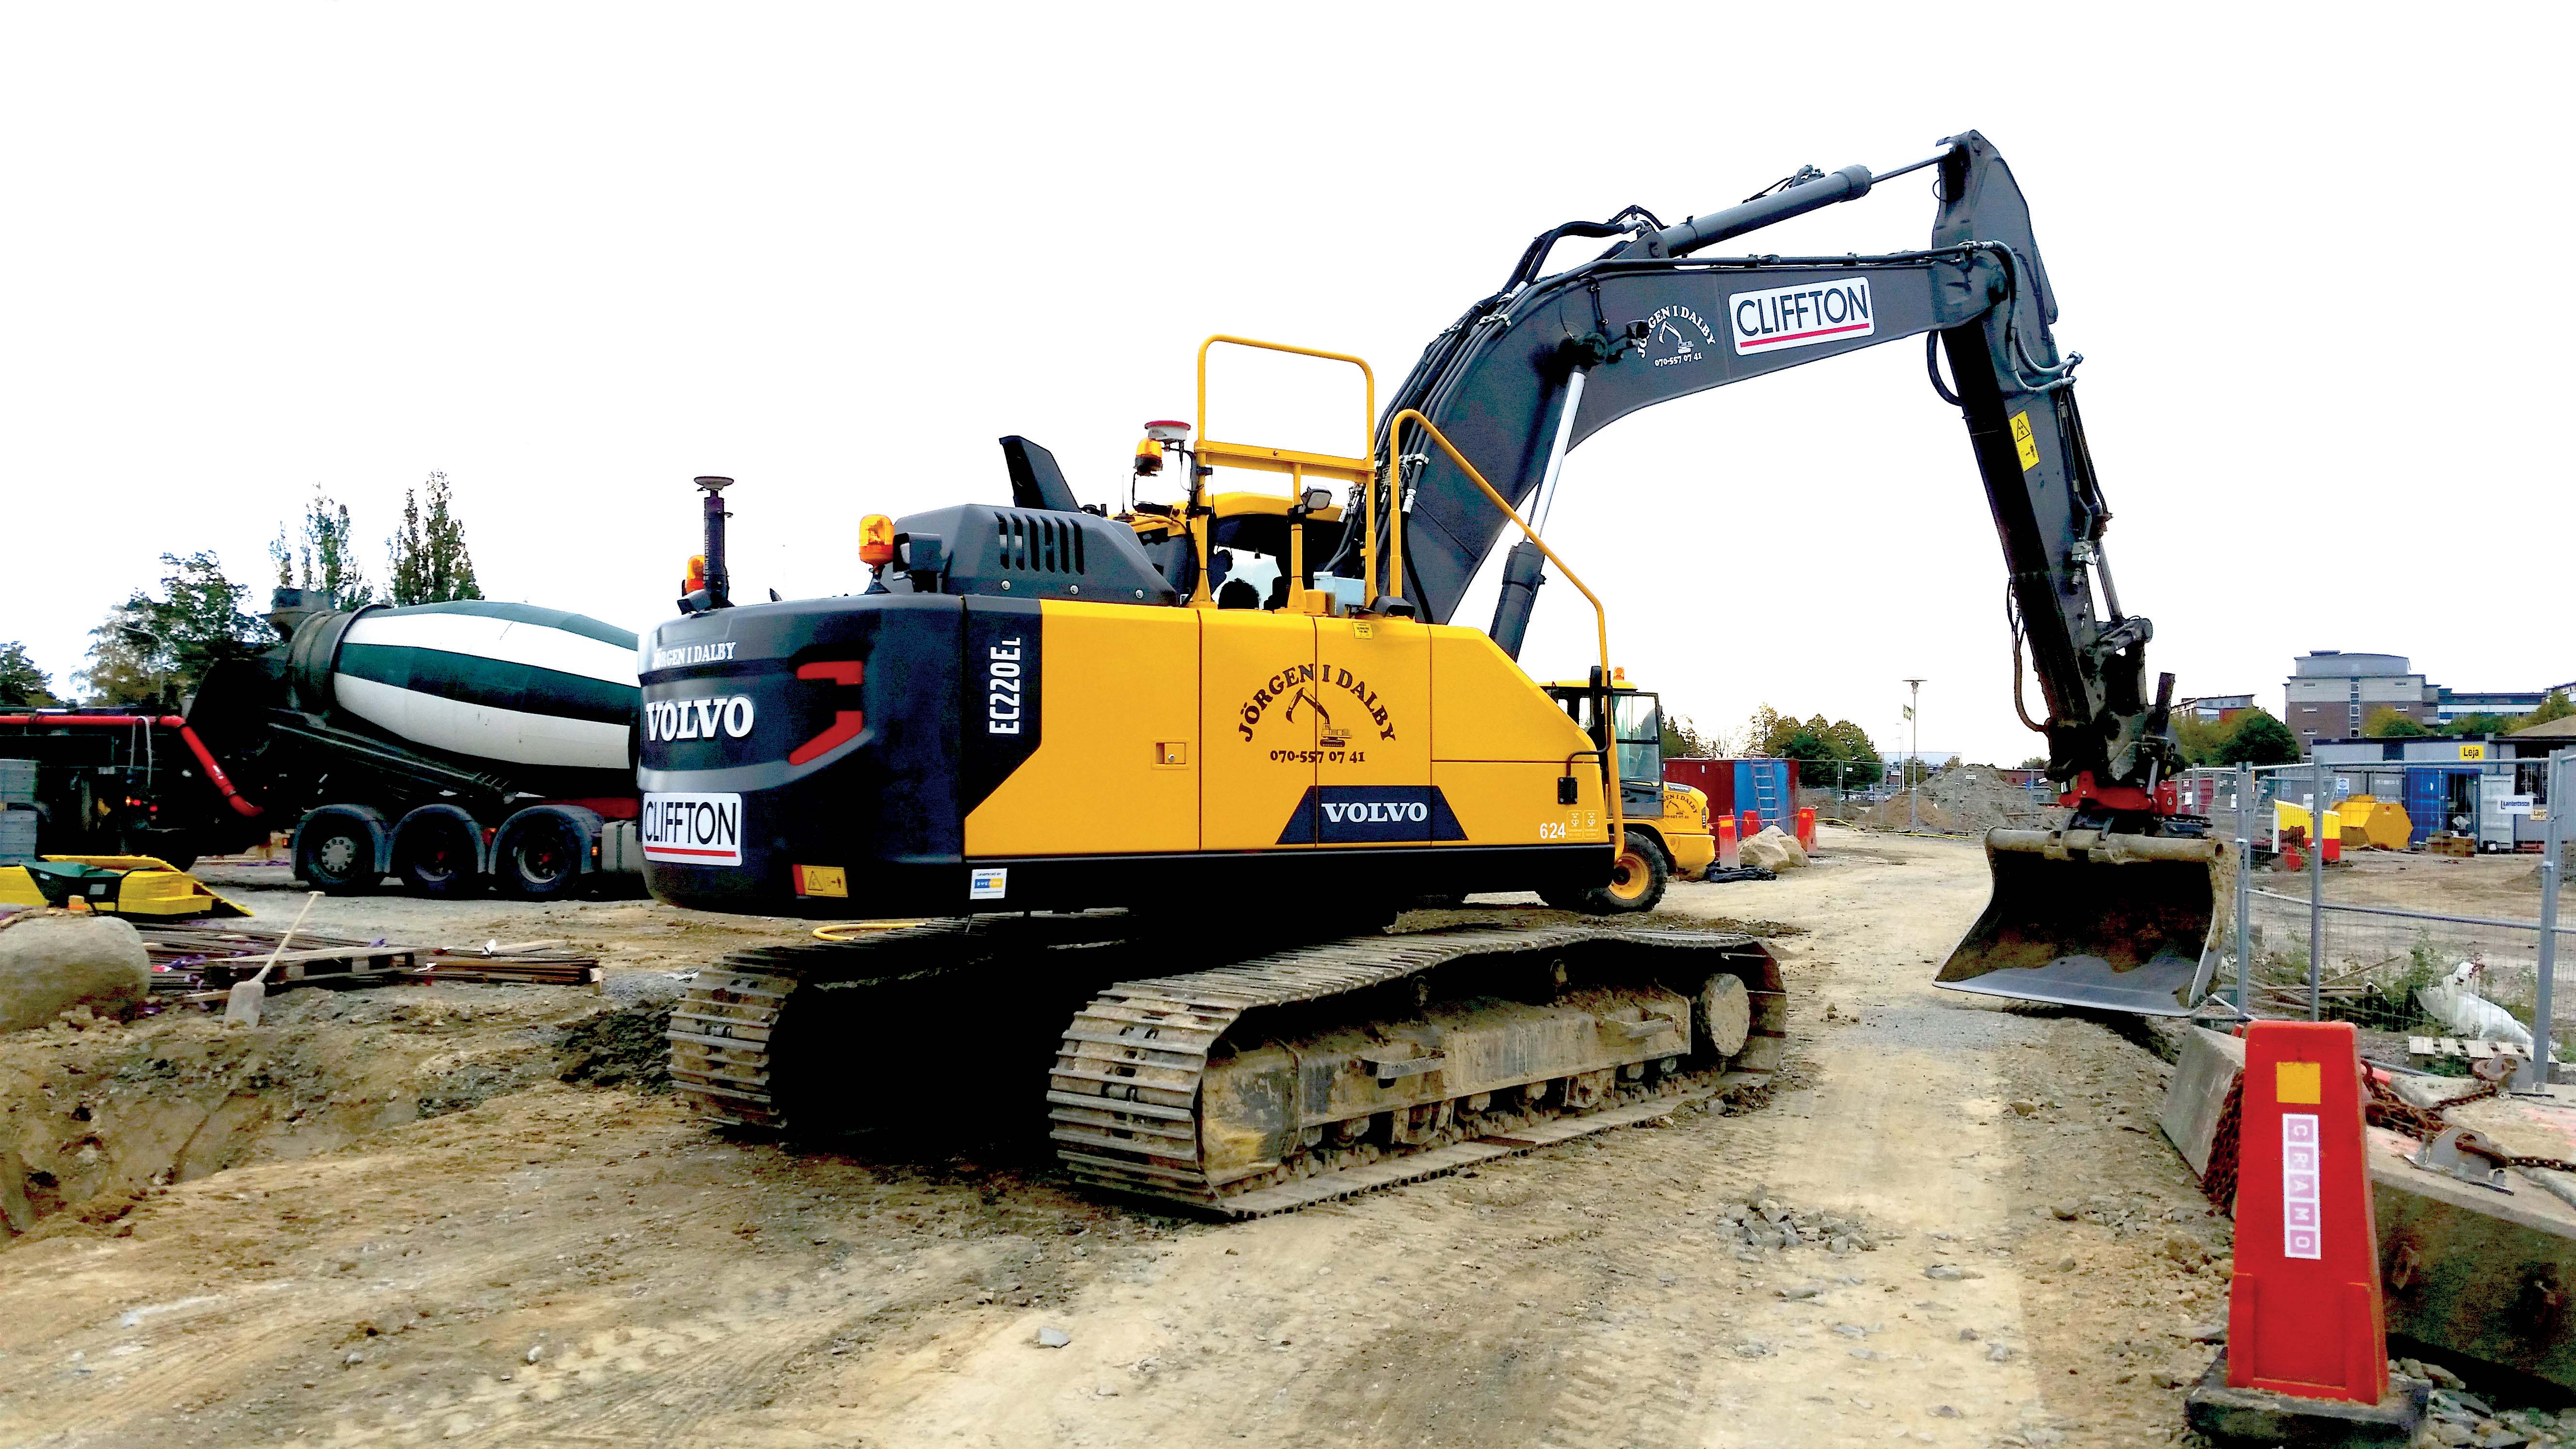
{"points": [[1734, 787]]}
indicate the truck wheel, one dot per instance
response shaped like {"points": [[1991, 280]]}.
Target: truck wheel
{"points": [[337, 855], [1636, 883], [540, 861], [438, 858]]}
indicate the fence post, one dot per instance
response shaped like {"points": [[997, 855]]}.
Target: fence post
{"points": [[2543, 1030], [2244, 880], [2317, 889]]}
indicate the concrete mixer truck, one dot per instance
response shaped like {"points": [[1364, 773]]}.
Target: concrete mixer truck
{"points": [[449, 746]]}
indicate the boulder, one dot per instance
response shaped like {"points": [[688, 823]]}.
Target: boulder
{"points": [[52, 962], [1773, 850]]}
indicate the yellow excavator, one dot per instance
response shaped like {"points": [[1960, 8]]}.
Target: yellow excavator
{"points": [[1167, 774]]}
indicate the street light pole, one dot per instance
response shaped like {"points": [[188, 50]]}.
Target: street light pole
{"points": [[1914, 757]]}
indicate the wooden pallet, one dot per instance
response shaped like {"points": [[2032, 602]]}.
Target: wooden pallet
{"points": [[2450, 1046], [204, 955]]}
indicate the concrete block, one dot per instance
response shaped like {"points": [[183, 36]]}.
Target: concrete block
{"points": [[2471, 1271], [2259, 1416], [2205, 1076]]}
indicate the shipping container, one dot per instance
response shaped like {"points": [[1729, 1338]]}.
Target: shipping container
{"points": [[1767, 786]]}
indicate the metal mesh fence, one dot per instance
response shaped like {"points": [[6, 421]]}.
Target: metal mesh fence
{"points": [[2387, 935]]}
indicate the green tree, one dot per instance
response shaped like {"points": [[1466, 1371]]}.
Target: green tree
{"points": [[2555, 707], [430, 562], [2203, 741], [1814, 755], [2033, 762], [1827, 753], [155, 650], [2479, 725], [1684, 741], [2389, 723], [2259, 739], [322, 554], [1768, 731], [22, 684], [1862, 767]]}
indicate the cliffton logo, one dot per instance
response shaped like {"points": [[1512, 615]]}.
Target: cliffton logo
{"points": [[1302, 687]]}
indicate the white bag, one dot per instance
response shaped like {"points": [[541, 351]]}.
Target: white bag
{"points": [[2469, 1015]]}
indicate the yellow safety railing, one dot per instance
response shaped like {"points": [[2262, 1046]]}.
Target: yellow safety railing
{"points": [[1600, 615], [1299, 466]]}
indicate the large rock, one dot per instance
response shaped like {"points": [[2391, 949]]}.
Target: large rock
{"points": [[1773, 850], [51, 963]]}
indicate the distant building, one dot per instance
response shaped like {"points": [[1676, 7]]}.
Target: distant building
{"points": [[2459, 704], [2467, 785], [2330, 693], [2215, 708]]}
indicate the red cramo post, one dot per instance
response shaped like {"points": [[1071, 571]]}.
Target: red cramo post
{"points": [[2304, 1314]]}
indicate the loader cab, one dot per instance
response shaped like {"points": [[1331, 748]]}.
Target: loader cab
{"points": [[1638, 721]]}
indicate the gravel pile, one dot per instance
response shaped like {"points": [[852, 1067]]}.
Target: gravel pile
{"points": [[630, 1047], [1964, 799], [1763, 1224]]}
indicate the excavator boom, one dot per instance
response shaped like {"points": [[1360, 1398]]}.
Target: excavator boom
{"points": [[1542, 364]]}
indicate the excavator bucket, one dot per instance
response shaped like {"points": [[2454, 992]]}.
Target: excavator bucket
{"points": [[2088, 918]]}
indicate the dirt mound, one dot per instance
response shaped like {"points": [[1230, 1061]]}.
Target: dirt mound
{"points": [[93, 1115], [1962, 800], [627, 1048]]}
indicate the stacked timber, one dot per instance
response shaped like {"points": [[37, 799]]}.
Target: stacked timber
{"points": [[195, 956]]}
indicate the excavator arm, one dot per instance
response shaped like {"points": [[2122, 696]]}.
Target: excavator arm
{"points": [[1533, 370]]}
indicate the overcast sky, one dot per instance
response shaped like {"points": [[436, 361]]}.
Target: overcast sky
{"points": [[573, 255]]}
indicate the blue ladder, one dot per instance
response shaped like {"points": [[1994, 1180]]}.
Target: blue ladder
{"points": [[1766, 793]]}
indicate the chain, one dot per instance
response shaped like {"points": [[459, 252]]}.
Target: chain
{"points": [[2389, 1110]]}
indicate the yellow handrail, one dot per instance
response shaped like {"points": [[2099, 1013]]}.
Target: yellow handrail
{"points": [[1600, 615], [1368, 431]]}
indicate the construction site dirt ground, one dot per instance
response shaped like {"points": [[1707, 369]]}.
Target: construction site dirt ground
{"points": [[385, 1220]]}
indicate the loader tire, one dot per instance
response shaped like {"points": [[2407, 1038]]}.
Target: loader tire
{"points": [[1636, 885]]}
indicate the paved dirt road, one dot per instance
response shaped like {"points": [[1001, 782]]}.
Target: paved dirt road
{"points": [[568, 1265]]}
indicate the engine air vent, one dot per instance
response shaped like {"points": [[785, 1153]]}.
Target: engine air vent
{"points": [[1038, 542]]}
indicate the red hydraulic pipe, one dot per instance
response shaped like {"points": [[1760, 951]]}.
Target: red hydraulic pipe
{"points": [[187, 736]]}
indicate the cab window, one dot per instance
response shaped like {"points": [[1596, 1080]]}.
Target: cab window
{"points": [[1641, 736]]}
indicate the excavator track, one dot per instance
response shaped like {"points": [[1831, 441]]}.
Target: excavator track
{"points": [[726, 1032], [1412, 1055], [1147, 1099]]}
